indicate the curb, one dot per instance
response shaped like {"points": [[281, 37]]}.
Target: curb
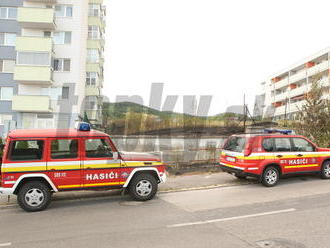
{"points": [[163, 191]]}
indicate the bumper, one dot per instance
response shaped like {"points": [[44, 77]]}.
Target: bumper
{"points": [[236, 170], [163, 178], [6, 191]]}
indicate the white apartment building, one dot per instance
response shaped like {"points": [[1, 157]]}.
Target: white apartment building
{"points": [[283, 94], [59, 62]]}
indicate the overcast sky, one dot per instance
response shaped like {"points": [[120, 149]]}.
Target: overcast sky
{"points": [[208, 47]]}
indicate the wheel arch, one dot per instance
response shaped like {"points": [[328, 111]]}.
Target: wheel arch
{"points": [[137, 171], [325, 160], [276, 165], [33, 177]]}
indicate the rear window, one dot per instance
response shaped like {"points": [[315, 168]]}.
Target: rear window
{"points": [[235, 144]]}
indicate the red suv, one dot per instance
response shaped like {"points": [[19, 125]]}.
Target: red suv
{"points": [[268, 156]]}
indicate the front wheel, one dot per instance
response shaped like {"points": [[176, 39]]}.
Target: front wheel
{"points": [[143, 187], [325, 170], [270, 177], [34, 196]]}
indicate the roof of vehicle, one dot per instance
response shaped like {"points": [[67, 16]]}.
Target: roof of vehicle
{"points": [[51, 133], [267, 135]]}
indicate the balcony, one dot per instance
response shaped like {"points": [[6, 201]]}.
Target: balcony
{"points": [[282, 83], [39, 18], [33, 74], [93, 67], [39, 104], [96, 21], [280, 110], [297, 106], [96, 1], [92, 91], [298, 76], [43, 1], [95, 44], [281, 97], [318, 68], [299, 91], [34, 44]]}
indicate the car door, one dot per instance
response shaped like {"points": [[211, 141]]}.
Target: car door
{"points": [[64, 162], [283, 153], [101, 165], [306, 158]]}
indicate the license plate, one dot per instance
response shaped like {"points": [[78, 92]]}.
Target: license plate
{"points": [[230, 159]]}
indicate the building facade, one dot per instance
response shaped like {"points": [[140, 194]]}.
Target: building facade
{"points": [[56, 52], [283, 94], [9, 30]]}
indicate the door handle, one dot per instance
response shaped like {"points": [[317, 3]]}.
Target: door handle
{"points": [[300, 155], [279, 156]]}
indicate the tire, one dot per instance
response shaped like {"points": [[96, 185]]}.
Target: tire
{"points": [[270, 176], [240, 177], [325, 170], [143, 187], [34, 196]]}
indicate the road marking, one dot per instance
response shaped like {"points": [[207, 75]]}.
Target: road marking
{"points": [[232, 218], [5, 244]]}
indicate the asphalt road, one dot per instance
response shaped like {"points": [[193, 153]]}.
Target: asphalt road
{"points": [[296, 213]]}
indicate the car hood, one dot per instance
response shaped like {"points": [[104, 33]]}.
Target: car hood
{"points": [[323, 149], [139, 156]]}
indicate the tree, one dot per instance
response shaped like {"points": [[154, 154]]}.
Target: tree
{"points": [[314, 116]]}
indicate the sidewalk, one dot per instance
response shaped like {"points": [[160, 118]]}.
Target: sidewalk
{"points": [[174, 183]]}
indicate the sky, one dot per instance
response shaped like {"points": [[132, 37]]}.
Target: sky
{"points": [[207, 47]]}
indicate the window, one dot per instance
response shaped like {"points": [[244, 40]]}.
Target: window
{"points": [[64, 148], [91, 102], [53, 92], [47, 34], [93, 32], [6, 93], [33, 58], [93, 55], [7, 39], [268, 144], [63, 11], [98, 148], [65, 92], [235, 144], [94, 10], [302, 145], [282, 144], [91, 78], [61, 38], [26, 150], [8, 13], [62, 65], [7, 66]]}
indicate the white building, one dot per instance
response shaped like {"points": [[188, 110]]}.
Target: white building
{"points": [[283, 94], [59, 63]]}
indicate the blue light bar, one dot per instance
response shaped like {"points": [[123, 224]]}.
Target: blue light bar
{"points": [[84, 126], [281, 131]]}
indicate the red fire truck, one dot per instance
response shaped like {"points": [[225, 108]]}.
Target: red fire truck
{"points": [[37, 163], [272, 154]]}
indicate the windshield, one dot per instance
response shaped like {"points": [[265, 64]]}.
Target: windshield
{"points": [[235, 144]]}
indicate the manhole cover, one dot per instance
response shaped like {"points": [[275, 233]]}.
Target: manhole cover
{"points": [[278, 243], [130, 203]]}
